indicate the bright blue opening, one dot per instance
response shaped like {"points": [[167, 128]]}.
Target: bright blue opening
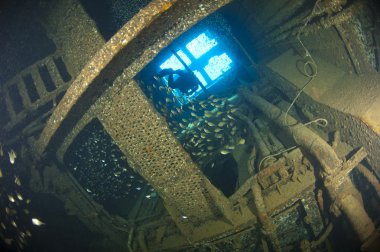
{"points": [[217, 65], [174, 63], [204, 56], [200, 45]]}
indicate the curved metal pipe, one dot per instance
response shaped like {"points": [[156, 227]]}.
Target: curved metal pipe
{"points": [[340, 189], [301, 134]]}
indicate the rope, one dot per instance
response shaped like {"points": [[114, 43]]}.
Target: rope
{"points": [[309, 62], [274, 155]]}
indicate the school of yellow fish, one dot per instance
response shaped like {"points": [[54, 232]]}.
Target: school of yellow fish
{"points": [[206, 128]]}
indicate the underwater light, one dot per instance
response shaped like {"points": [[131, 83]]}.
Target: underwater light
{"points": [[204, 56], [174, 63], [218, 65], [200, 45]]}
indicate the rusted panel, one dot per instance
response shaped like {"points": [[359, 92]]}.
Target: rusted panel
{"points": [[355, 48]]}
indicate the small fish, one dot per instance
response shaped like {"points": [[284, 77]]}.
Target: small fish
{"points": [[182, 126], [11, 199], [168, 100], [206, 130], [208, 113], [10, 211], [14, 224], [17, 181], [37, 222], [161, 88], [241, 141], [88, 190], [218, 130], [173, 112], [19, 196], [219, 136], [1, 150], [221, 124], [224, 152], [12, 156], [138, 188], [1, 174], [210, 124]]}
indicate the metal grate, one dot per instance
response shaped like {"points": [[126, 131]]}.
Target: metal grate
{"points": [[143, 135]]}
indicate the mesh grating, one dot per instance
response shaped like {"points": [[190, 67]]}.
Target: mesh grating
{"points": [[142, 134]]}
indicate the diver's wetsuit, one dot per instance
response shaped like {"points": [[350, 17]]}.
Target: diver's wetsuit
{"points": [[187, 82]]}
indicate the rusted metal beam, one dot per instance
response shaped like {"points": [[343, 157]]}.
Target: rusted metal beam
{"points": [[267, 225], [357, 52], [292, 28], [262, 147], [131, 48], [301, 134]]}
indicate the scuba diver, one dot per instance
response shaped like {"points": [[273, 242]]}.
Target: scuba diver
{"points": [[186, 82]]}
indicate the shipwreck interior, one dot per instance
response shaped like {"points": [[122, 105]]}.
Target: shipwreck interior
{"points": [[274, 148]]}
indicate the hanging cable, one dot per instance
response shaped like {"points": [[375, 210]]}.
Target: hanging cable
{"points": [[310, 63], [311, 74]]}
